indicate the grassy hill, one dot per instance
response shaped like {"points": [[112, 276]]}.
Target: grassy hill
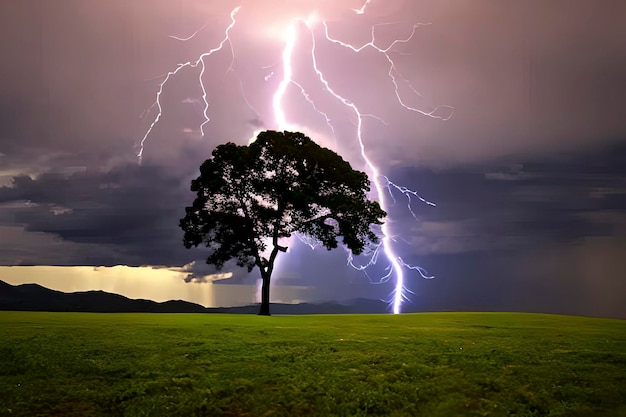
{"points": [[428, 364]]}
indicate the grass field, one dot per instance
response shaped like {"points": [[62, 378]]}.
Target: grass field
{"points": [[429, 364]]}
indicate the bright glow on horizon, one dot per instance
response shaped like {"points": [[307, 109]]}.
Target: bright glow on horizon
{"points": [[158, 284], [145, 282]]}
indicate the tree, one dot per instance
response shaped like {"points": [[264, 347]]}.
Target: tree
{"points": [[249, 197]]}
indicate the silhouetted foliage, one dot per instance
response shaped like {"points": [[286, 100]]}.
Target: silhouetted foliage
{"points": [[248, 197]]}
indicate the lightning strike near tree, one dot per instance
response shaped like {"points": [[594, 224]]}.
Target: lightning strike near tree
{"points": [[383, 188]]}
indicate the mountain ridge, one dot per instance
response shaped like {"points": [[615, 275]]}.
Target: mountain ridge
{"points": [[34, 297]]}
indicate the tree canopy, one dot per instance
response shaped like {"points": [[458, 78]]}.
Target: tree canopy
{"points": [[249, 197]]}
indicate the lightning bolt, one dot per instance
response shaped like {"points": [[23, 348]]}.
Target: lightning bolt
{"points": [[190, 64], [383, 187], [362, 9], [393, 72]]}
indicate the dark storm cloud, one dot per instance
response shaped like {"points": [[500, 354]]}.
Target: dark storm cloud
{"points": [[542, 235], [132, 209], [200, 272], [533, 203], [584, 279]]}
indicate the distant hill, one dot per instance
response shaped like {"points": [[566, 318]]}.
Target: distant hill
{"points": [[356, 306], [33, 297]]}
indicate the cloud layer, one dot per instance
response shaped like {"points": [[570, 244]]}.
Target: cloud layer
{"points": [[527, 174]]}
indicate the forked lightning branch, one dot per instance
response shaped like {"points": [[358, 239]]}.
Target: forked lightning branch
{"points": [[384, 189]]}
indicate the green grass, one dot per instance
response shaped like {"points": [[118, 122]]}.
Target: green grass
{"points": [[429, 364]]}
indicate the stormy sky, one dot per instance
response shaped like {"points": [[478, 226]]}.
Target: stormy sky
{"points": [[528, 175]]}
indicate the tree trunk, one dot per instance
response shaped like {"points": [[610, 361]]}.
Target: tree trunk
{"points": [[265, 296]]}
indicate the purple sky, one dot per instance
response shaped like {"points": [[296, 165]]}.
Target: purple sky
{"points": [[529, 175]]}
